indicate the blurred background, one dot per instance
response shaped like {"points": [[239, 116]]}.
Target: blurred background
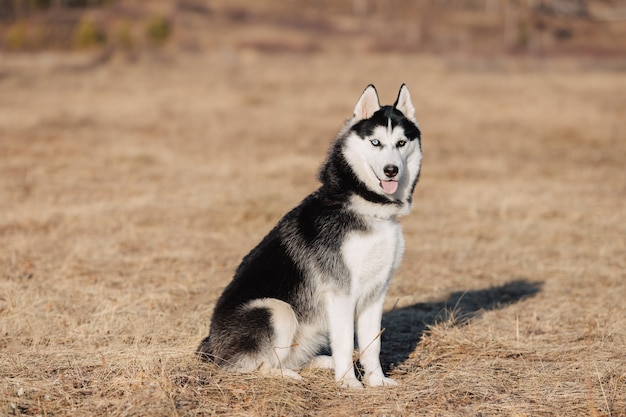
{"points": [[594, 28]]}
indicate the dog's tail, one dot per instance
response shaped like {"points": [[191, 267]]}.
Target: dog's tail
{"points": [[204, 351]]}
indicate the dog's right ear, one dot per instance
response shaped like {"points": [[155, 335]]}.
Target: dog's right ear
{"points": [[368, 104], [404, 104]]}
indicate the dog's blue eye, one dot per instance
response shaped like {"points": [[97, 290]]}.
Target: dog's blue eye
{"points": [[375, 142], [401, 143]]}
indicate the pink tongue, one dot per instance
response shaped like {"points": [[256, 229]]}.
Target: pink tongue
{"points": [[390, 187]]}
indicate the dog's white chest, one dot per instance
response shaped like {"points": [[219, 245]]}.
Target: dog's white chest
{"points": [[373, 256]]}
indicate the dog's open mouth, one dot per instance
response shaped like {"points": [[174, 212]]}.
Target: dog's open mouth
{"points": [[389, 187]]}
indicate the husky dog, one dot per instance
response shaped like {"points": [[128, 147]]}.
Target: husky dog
{"points": [[327, 264]]}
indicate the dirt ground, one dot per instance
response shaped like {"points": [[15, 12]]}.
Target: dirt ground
{"points": [[129, 192]]}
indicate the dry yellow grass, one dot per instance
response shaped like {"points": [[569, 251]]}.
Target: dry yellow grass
{"points": [[129, 193]]}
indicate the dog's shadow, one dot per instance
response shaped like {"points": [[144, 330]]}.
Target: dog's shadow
{"points": [[405, 326]]}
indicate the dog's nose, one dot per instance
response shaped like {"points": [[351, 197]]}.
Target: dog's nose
{"points": [[390, 170]]}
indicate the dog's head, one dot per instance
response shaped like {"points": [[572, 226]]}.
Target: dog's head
{"points": [[379, 150]]}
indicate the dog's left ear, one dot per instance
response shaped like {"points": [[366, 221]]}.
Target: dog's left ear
{"points": [[404, 104], [368, 104]]}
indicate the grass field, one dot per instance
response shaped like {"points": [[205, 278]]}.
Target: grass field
{"points": [[129, 194]]}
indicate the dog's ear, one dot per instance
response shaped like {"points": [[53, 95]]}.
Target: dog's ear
{"points": [[404, 104], [368, 104]]}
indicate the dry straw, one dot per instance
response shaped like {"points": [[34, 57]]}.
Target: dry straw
{"points": [[124, 211]]}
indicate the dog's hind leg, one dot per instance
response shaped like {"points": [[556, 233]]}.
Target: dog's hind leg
{"points": [[284, 327]]}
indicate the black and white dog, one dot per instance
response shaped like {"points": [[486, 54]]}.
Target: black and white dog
{"points": [[327, 264]]}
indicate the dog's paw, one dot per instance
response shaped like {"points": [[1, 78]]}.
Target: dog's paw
{"points": [[374, 380], [288, 373], [322, 362], [281, 373], [351, 383]]}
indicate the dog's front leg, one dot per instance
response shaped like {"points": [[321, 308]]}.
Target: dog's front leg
{"points": [[340, 316], [368, 335]]}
